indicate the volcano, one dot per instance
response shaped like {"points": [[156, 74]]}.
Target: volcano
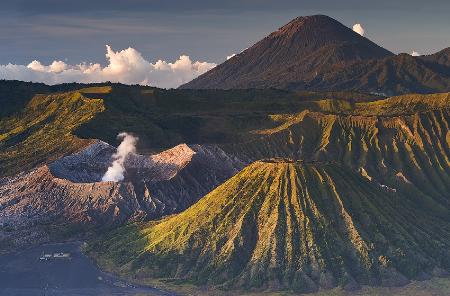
{"points": [[281, 224], [319, 53], [297, 51]]}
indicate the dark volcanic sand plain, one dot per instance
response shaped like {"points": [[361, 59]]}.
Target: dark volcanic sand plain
{"points": [[22, 273]]}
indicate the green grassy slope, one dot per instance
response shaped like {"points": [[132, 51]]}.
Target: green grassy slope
{"points": [[371, 206], [15, 95], [287, 225], [402, 150], [164, 118], [160, 118], [42, 131]]}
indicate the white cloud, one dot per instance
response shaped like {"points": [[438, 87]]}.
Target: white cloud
{"points": [[125, 66], [55, 67], [358, 28], [415, 53]]}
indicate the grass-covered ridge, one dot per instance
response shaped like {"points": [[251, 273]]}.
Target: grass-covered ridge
{"points": [[290, 226], [39, 123], [164, 118], [43, 130], [411, 149], [376, 213]]}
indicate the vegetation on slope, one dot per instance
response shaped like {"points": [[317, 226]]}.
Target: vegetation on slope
{"points": [[42, 131], [381, 217], [384, 207], [15, 95], [160, 118], [409, 151], [165, 118], [287, 225]]}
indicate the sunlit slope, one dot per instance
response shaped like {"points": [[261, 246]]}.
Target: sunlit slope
{"points": [[42, 131], [287, 225], [401, 141]]}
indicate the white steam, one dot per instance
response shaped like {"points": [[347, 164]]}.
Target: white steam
{"points": [[358, 28], [126, 66], [415, 53], [117, 169]]}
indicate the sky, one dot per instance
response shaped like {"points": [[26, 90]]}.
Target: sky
{"points": [[168, 42]]}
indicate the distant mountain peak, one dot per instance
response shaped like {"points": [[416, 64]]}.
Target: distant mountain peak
{"points": [[312, 23], [303, 46], [302, 22], [318, 53], [308, 33]]}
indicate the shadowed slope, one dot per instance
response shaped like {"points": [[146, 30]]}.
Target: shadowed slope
{"points": [[392, 75], [287, 225], [295, 53], [319, 53]]}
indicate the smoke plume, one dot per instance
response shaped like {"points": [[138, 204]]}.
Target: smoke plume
{"points": [[117, 169]]}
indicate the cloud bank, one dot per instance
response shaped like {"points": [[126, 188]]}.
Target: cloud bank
{"points": [[358, 28], [116, 171], [125, 66]]}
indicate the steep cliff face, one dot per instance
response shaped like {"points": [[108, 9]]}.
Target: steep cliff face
{"points": [[280, 224], [401, 142]]}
